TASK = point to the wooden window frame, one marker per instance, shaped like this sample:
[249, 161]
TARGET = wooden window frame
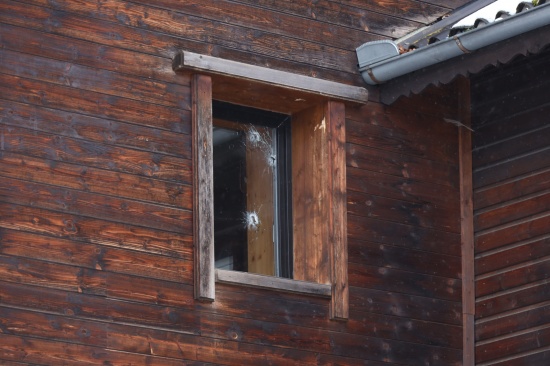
[289, 93]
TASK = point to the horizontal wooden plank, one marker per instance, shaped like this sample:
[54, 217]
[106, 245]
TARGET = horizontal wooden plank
[152, 43]
[512, 146]
[405, 306]
[512, 255]
[161, 21]
[402, 131]
[142, 341]
[63, 225]
[515, 298]
[405, 236]
[538, 357]
[411, 283]
[93, 180]
[529, 341]
[514, 321]
[397, 257]
[85, 153]
[518, 209]
[38, 351]
[506, 105]
[403, 189]
[360, 347]
[514, 232]
[76, 279]
[102, 56]
[100, 130]
[294, 310]
[424, 214]
[97, 206]
[93, 104]
[507, 190]
[79, 77]
[502, 129]
[414, 10]
[404, 166]
[510, 168]
[303, 18]
[514, 276]
[101, 308]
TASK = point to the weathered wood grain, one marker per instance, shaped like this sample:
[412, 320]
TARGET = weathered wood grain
[100, 308]
[413, 10]
[512, 255]
[506, 128]
[513, 232]
[402, 131]
[510, 189]
[533, 293]
[100, 130]
[515, 344]
[35, 350]
[298, 19]
[406, 236]
[203, 187]
[423, 214]
[76, 227]
[96, 206]
[100, 56]
[90, 103]
[513, 321]
[520, 275]
[406, 306]
[394, 280]
[88, 179]
[404, 189]
[388, 256]
[110, 157]
[163, 21]
[402, 166]
[89, 78]
[528, 206]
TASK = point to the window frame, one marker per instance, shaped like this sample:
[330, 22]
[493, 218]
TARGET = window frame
[292, 90]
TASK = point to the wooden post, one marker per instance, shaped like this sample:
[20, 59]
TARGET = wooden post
[203, 187]
[467, 224]
[336, 121]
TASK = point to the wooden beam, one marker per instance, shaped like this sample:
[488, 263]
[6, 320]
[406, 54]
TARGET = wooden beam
[273, 283]
[203, 187]
[185, 60]
[467, 223]
[338, 252]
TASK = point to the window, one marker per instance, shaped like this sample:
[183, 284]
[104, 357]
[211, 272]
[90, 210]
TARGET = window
[315, 195]
[252, 187]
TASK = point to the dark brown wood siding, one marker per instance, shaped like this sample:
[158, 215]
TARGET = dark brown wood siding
[511, 161]
[96, 245]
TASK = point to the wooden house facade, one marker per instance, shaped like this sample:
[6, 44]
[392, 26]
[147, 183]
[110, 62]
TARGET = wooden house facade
[435, 241]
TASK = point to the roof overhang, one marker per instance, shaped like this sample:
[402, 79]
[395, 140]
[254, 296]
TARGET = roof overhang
[468, 52]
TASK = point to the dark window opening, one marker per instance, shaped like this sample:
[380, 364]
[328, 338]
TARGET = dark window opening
[252, 190]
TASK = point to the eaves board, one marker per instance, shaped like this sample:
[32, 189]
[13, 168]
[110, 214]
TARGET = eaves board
[443, 73]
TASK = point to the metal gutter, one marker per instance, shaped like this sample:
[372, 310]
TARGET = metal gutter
[468, 42]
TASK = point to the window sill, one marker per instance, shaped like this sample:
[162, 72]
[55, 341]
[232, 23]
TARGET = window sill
[273, 283]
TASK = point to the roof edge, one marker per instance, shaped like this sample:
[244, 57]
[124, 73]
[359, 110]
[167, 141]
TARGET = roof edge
[464, 43]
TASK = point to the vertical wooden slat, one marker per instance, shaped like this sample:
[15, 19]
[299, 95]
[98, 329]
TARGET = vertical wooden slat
[310, 171]
[203, 187]
[336, 124]
[467, 225]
